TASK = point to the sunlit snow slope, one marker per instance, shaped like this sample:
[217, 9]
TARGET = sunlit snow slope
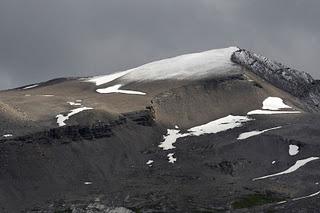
[186, 67]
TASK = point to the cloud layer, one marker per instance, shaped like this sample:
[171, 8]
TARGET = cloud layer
[44, 39]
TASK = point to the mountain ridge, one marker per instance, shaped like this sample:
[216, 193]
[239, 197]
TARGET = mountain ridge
[297, 83]
[132, 142]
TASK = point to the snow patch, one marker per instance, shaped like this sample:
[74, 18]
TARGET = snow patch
[61, 119]
[99, 80]
[267, 112]
[87, 183]
[74, 103]
[282, 202]
[246, 135]
[293, 168]
[274, 103]
[171, 138]
[293, 149]
[273, 162]
[116, 89]
[220, 125]
[308, 196]
[270, 107]
[149, 163]
[47, 95]
[171, 159]
[300, 198]
[30, 87]
[7, 135]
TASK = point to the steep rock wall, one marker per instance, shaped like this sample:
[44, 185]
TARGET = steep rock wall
[297, 83]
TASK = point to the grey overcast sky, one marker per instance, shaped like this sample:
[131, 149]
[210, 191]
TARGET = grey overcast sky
[45, 39]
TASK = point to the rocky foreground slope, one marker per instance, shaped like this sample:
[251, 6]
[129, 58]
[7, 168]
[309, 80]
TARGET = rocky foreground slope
[217, 131]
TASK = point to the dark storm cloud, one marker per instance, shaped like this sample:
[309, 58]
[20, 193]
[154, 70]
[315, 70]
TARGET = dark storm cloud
[43, 39]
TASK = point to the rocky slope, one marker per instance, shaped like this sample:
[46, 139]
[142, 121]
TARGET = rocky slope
[218, 131]
[297, 83]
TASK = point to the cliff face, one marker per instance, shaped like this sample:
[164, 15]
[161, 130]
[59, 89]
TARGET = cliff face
[297, 83]
[97, 130]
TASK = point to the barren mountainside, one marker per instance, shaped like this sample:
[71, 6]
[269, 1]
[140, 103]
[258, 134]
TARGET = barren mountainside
[217, 131]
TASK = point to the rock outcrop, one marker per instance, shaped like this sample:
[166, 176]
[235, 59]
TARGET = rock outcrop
[297, 83]
[79, 132]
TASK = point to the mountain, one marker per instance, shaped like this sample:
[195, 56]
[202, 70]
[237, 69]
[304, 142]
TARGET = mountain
[216, 131]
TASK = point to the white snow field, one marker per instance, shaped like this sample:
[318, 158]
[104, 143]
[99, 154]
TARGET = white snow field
[220, 125]
[116, 89]
[190, 66]
[293, 168]
[293, 150]
[246, 135]
[7, 135]
[61, 119]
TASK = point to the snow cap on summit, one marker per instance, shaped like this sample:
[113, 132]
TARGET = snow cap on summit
[185, 67]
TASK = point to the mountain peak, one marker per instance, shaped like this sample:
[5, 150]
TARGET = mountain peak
[220, 119]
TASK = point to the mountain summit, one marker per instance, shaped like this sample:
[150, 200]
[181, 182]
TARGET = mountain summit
[221, 130]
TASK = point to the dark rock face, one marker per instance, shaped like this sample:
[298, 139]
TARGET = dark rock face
[79, 132]
[144, 118]
[297, 83]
